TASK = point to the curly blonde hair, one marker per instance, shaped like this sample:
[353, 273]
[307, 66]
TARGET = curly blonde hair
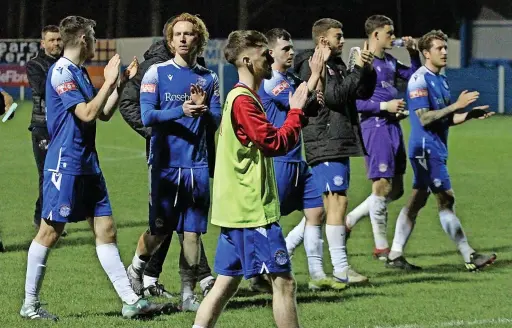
[199, 28]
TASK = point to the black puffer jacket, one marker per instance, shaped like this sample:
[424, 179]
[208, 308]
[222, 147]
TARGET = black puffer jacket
[37, 71]
[129, 105]
[335, 133]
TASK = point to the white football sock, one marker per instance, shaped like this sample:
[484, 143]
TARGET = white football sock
[149, 281]
[336, 240]
[108, 254]
[358, 213]
[313, 244]
[379, 218]
[36, 267]
[296, 236]
[187, 289]
[403, 230]
[451, 225]
[138, 265]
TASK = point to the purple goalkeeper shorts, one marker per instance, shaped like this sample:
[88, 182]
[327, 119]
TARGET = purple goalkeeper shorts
[386, 151]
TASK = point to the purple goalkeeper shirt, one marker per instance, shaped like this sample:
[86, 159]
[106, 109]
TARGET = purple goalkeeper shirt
[388, 70]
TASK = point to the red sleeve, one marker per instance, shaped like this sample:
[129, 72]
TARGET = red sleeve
[251, 126]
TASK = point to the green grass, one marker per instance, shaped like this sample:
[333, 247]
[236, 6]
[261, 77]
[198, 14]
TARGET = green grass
[78, 290]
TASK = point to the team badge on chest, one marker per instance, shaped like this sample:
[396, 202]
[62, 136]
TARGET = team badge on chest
[201, 81]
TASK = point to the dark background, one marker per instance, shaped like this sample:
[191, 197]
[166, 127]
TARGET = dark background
[138, 18]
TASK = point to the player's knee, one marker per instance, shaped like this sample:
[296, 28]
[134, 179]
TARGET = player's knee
[49, 234]
[284, 284]
[105, 230]
[381, 187]
[191, 237]
[314, 216]
[232, 288]
[446, 201]
[412, 211]
[337, 201]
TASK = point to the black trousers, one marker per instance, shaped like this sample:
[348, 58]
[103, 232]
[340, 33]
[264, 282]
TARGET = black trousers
[40, 141]
[154, 267]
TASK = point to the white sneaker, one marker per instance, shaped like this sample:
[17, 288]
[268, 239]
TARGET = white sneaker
[350, 277]
[207, 284]
[36, 312]
[190, 304]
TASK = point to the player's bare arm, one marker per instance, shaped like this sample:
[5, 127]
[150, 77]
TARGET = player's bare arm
[90, 111]
[427, 116]
[113, 99]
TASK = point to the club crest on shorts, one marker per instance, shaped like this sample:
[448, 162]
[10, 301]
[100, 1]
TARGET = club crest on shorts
[338, 180]
[383, 167]
[159, 222]
[281, 257]
[64, 211]
[437, 183]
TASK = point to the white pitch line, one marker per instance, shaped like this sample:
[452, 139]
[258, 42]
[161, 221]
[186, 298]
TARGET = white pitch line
[455, 323]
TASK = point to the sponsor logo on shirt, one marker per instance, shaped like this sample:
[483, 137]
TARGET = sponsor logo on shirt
[418, 93]
[181, 97]
[280, 87]
[148, 87]
[65, 87]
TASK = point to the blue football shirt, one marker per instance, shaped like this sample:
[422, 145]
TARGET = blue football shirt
[72, 148]
[428, 90]
[274, 95]
[178, 140]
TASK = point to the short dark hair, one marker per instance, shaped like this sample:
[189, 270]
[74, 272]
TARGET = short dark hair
[376, 21]
[49, 28]
[240, 40]
[71, 27]
[277, 33]
[321, 26]
[425, 42]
